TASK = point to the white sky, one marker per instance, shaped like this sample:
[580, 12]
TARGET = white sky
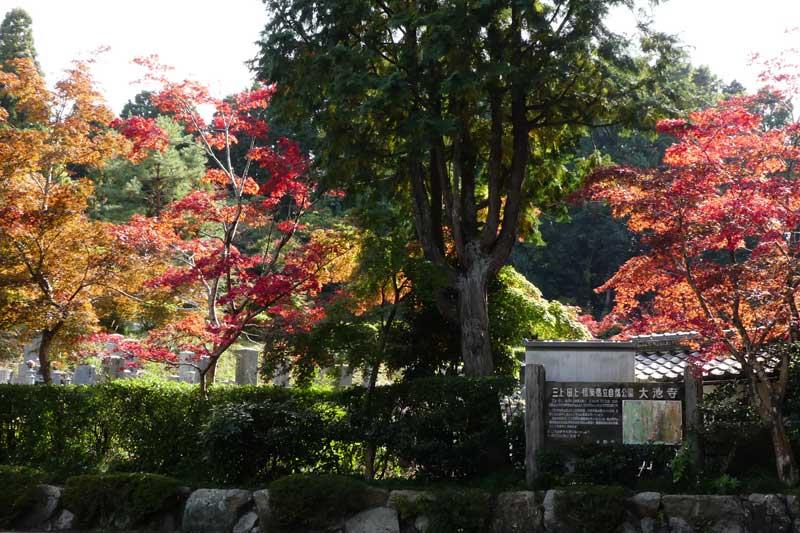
[209, 40]
[206, 40]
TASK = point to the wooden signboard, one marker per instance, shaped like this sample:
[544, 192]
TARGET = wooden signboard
[614, 413]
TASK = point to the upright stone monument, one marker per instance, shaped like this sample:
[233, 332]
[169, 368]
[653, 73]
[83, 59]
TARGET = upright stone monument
[84, 375]
[113, 367]
[30, 351]
[5, 375]
[281, 376]
[345, 376]
[26, 373]
[57, 377]
[247, 366]
[187, 368]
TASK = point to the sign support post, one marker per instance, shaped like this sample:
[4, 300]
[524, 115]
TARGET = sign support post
[534, 419]
[694, 396]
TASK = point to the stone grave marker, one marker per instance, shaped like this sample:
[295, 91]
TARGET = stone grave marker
[247, 366]
[281, 376]
[113, 367]
[84, 375]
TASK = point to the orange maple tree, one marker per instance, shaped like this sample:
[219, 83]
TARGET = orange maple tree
[55, 262]
[719, 227]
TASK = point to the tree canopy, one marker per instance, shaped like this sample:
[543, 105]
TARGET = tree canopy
[718, 224]
[470, 108]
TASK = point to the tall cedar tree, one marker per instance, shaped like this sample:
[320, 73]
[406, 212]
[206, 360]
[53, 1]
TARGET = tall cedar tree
[16, 37]
[718, 224]
[469, 106]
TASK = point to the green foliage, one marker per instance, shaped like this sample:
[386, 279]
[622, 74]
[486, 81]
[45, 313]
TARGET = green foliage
[124, 188]
[459, 511]
[518, 311]
[16, 36]
[121, 500]
[591, 508]
[450, 510]
[579, 255]
[55, 428]
[684, 468]
[443, 428]
[731, 426]
[302, 501]
[250, 440]
[365, 96]
[16, 483]
[723, 484]
[436, 428]
[141, 106]
[629, 466]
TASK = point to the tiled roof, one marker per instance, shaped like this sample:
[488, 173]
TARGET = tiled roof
[668, 365]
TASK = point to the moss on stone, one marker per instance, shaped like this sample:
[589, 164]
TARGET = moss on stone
[591, 508]
[17, 482]
[121, 500]
[306, 501]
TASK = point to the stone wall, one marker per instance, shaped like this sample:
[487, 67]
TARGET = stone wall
[242, 511]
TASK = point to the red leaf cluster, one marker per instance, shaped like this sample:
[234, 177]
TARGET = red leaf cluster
[718, 224]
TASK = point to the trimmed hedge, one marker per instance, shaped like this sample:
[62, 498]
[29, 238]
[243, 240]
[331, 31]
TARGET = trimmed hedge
[436, 428]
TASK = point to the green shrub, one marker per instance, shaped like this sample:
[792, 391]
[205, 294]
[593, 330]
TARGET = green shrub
[305, 501]
[266, 440]
[724, 484]
[620, 465]
[16, 483]
[451, 510]
[444, 428]
[119, 500]
[591, 508]
[552, 468]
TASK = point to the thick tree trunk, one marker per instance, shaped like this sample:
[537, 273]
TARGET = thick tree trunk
[784, 455]
[473, 311]
[44, 353]
[211, 370]
[771, 410]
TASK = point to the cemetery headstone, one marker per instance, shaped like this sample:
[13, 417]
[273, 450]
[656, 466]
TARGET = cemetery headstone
[281, 376]
[345, 376]
[30, 351]
[247, 366]
[187, 372]
[27, 373]
[113, 367]
[189, 367]
[84, 375]
[58, 377]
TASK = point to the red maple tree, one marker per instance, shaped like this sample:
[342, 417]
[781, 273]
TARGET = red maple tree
[719, 227]
[230, 288]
